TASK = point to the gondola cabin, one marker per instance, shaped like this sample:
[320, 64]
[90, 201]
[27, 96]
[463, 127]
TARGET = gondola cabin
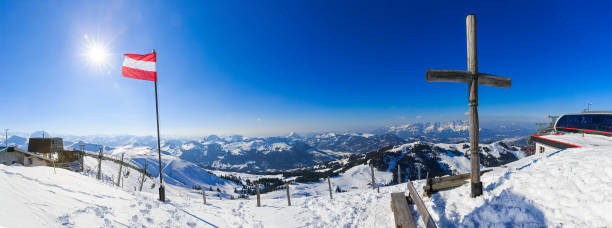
[577, 130]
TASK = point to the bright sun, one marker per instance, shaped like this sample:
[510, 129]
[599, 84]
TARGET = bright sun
[97, 54]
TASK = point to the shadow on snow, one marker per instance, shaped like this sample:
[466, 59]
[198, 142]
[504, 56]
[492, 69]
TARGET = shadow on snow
[504, 210]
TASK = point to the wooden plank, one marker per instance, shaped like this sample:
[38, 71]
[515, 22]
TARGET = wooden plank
[455, 177]
[448, 76]
[442, 183]
[443, 186]
[466, 77]
[401, 211]
[425, 216]
[495, 81]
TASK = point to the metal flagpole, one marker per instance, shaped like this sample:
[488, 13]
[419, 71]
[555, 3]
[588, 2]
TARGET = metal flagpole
[162, 193]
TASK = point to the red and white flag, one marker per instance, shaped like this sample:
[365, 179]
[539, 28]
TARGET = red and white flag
[140, 66]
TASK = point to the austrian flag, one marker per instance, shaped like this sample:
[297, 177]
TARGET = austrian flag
[140, 66]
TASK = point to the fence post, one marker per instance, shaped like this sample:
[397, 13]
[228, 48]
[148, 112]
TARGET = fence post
[288, 195]
[330, 190]
[257, 189]
[81, 154]
[204, 195]
[120, 167]
[144, 176]
[99, 176]
[373, 182]
[123, 178]
[399, 174]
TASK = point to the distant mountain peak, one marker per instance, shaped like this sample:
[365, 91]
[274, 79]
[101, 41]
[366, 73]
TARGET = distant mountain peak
[293, 135]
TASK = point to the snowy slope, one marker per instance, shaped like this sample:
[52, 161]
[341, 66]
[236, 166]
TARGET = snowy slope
[176, 171]
[568, 188]
[357, 178]
[42, 197]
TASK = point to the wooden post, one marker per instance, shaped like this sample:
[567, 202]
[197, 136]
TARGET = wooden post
[372, 171]
[399, 174]
[330, 189]
[476, 185]
[120, 167]
[81, 154]
[99, 176]
[144, 172]
[204, 195]
[258, 198]
[123, 179]
[288, 195]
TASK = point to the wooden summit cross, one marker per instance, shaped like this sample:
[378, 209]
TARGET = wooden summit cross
[472, 78]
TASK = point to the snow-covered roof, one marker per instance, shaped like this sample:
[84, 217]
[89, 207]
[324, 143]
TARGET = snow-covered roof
[576, 140]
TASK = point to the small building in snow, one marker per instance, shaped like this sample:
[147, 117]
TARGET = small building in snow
[42, 152]
[13, 155]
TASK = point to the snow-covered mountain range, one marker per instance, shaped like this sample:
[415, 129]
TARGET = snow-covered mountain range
[257, 154]
[458, 131]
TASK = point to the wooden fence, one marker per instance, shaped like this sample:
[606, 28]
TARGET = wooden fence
[117, 161]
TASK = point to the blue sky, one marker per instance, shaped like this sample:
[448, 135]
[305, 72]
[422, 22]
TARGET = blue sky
[271, 67]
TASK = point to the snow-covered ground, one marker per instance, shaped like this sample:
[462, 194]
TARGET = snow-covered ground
[583, 140]
[176, 172]
[570, 188]
[42, 197]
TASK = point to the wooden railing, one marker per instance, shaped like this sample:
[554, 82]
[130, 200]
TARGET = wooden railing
[126, 164]
[400, 205]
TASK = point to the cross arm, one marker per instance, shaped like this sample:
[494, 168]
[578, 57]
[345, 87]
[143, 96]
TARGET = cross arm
[495, 81]
[448, 76]
[465, 76]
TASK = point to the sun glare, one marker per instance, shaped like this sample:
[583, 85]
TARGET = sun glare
[97, 54]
